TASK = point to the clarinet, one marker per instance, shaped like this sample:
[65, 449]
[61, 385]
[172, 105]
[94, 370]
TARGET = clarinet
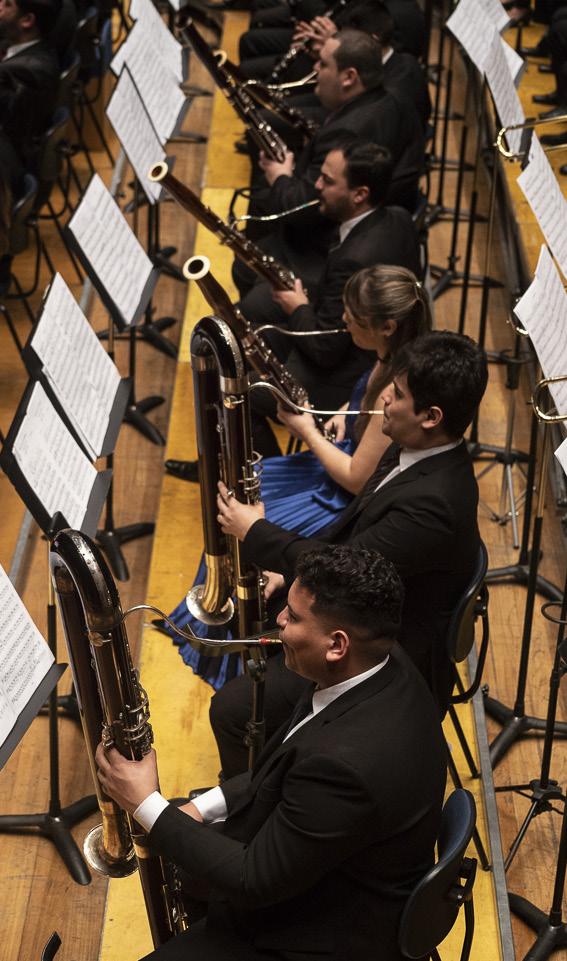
[114, 709]
[301, 45]
[257, 352]
[265, 137]
[278, 276]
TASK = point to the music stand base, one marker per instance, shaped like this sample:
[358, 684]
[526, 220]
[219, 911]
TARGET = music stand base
[518, 574]
[111, 543]
[135, 415]
[514, 727]
[161, 259]
[151, 333]
[550, 937]
[56, 827]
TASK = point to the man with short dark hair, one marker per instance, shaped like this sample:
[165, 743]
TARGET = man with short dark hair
[419, 509]
[325, 839]
[29, 73]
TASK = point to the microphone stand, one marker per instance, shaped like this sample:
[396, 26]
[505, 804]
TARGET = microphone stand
[515, 721]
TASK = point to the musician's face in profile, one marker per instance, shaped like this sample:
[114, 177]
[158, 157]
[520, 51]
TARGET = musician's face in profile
[328, 87]
[360, 330]
[400, 421]
[338, 201]
[305, 641]
[11, 21]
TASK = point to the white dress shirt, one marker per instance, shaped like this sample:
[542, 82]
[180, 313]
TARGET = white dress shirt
[346, 227]
[212, 804]
[410, 457]
[17, 48]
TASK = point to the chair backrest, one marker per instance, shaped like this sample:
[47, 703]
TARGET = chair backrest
[433, 905]
[68, 79]
[21, 212]
[86, 42]
[460, 633]
[49, 163]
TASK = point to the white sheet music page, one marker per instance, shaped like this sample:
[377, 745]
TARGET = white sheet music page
[157, 84]
[504, 93]
[543, 193]
[543, 312]
[52, 462]
[496, 14]
[165, 44]
[119, 260]
[474, 30]
[134, 129]
[25, 658]
[83, 376]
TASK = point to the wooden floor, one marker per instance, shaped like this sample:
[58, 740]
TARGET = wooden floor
[36, 892]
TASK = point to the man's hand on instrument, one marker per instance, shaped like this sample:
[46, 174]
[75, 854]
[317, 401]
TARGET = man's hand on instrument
[236, 518]
[290, 300]
[272, 169]
[322, 29]
[302, 31]
[300, 425]
[273, 582]
[126, 782]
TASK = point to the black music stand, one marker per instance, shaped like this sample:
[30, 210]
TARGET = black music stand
[55, 824]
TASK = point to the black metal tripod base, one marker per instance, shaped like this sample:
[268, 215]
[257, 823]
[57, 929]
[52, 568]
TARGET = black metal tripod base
[550, 937]
[161, 259]
[438, 212]
[152, 333]
[111, 542]
[67, 706]
[449, 277]
[480, 451]
[187, 136]
[136, 416]
[514, 727]
[57, 828]
[519, 574]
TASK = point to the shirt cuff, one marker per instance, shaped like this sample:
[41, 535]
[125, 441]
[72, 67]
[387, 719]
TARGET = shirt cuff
[147, 813]
[211, 805]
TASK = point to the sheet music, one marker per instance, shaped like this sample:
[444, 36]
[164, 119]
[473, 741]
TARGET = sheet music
[25, 658]
[543, 193]
[157, 84]
[118, 258]
[474, 30]
[52, 462]
[83, 376]
[516, 65]
[561, 454]
[504, 94]
[543, 312]
[134, 129]
[165, 44]
[496, 14]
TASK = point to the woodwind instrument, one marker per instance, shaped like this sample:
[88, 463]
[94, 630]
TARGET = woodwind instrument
[301, 45]
[114, 709]
[280, 277]
[240, 100]
[272, 98]
[224, 444]
[258, 354]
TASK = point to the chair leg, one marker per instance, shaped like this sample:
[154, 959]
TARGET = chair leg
[21, 295]
[463, 742]
[4, 310]
[482, 857]
[99, 131]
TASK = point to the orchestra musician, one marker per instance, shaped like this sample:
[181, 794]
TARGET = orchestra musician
[323, 841]
[419, 509]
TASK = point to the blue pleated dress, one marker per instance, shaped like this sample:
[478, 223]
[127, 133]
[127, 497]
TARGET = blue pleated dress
[298, 495]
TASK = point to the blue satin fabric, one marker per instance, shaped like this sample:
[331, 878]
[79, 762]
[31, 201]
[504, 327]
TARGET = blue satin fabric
[298, 495]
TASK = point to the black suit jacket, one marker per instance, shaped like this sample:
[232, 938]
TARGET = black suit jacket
[386, 236]
[327, 838]
[405, 78]
[28, 89]
[425, 522]
[376, 116]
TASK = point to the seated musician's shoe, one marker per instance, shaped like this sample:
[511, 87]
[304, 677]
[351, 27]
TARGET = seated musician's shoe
[187, 470]
[545, 68]
[546, 99]
[563, 170]
[559, 111]
[553, 139]
[532, 52]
